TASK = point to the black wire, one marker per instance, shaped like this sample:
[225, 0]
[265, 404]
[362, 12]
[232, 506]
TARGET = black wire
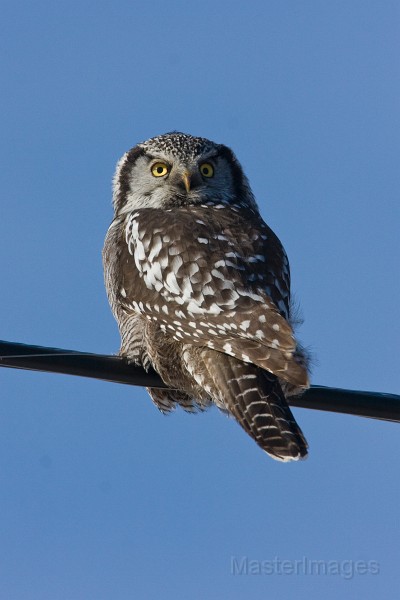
[71, 362]
[116, 369]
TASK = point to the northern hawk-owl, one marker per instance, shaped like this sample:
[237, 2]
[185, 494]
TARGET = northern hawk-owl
[200, 288]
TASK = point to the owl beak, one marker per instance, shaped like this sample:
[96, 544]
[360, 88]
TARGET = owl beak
[186, 180]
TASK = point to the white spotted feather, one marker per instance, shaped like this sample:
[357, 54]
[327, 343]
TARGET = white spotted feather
[200, 288]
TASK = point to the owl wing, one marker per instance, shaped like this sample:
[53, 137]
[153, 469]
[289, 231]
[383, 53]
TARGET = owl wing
[212, 277]
[130, 323]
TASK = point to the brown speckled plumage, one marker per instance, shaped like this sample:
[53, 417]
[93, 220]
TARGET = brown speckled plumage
[200, 288]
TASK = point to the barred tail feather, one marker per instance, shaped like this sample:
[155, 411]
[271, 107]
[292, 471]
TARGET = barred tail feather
[254, 397]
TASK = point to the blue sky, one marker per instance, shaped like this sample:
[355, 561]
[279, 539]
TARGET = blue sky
[101, 497]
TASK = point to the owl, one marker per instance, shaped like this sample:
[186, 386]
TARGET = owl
[200, 288]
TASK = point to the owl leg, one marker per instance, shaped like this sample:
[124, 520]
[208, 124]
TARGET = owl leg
[165, 356]
[254, 397]
[167, 400]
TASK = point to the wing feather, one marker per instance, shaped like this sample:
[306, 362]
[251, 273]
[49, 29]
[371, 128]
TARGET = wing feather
[215, 278]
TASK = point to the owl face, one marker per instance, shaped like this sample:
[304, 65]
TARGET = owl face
[175, 170]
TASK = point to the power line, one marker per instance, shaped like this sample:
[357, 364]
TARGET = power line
[116, 369]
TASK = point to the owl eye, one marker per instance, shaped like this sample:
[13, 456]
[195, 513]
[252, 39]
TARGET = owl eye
[207, 170]
[159, 169]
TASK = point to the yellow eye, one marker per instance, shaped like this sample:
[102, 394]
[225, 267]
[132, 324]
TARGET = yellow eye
[207, 170]
[159, 169]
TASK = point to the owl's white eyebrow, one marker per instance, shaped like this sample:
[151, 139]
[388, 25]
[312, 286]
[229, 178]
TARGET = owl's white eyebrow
[151, 156]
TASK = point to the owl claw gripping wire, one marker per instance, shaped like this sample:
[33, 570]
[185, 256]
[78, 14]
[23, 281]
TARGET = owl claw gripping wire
[200, 288]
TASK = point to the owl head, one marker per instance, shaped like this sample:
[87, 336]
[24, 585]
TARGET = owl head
[177, 169]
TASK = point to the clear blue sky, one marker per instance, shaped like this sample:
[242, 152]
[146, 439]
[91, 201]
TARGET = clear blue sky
[101, 497]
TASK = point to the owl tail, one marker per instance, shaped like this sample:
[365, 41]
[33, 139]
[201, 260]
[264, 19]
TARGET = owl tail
[255, 398]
